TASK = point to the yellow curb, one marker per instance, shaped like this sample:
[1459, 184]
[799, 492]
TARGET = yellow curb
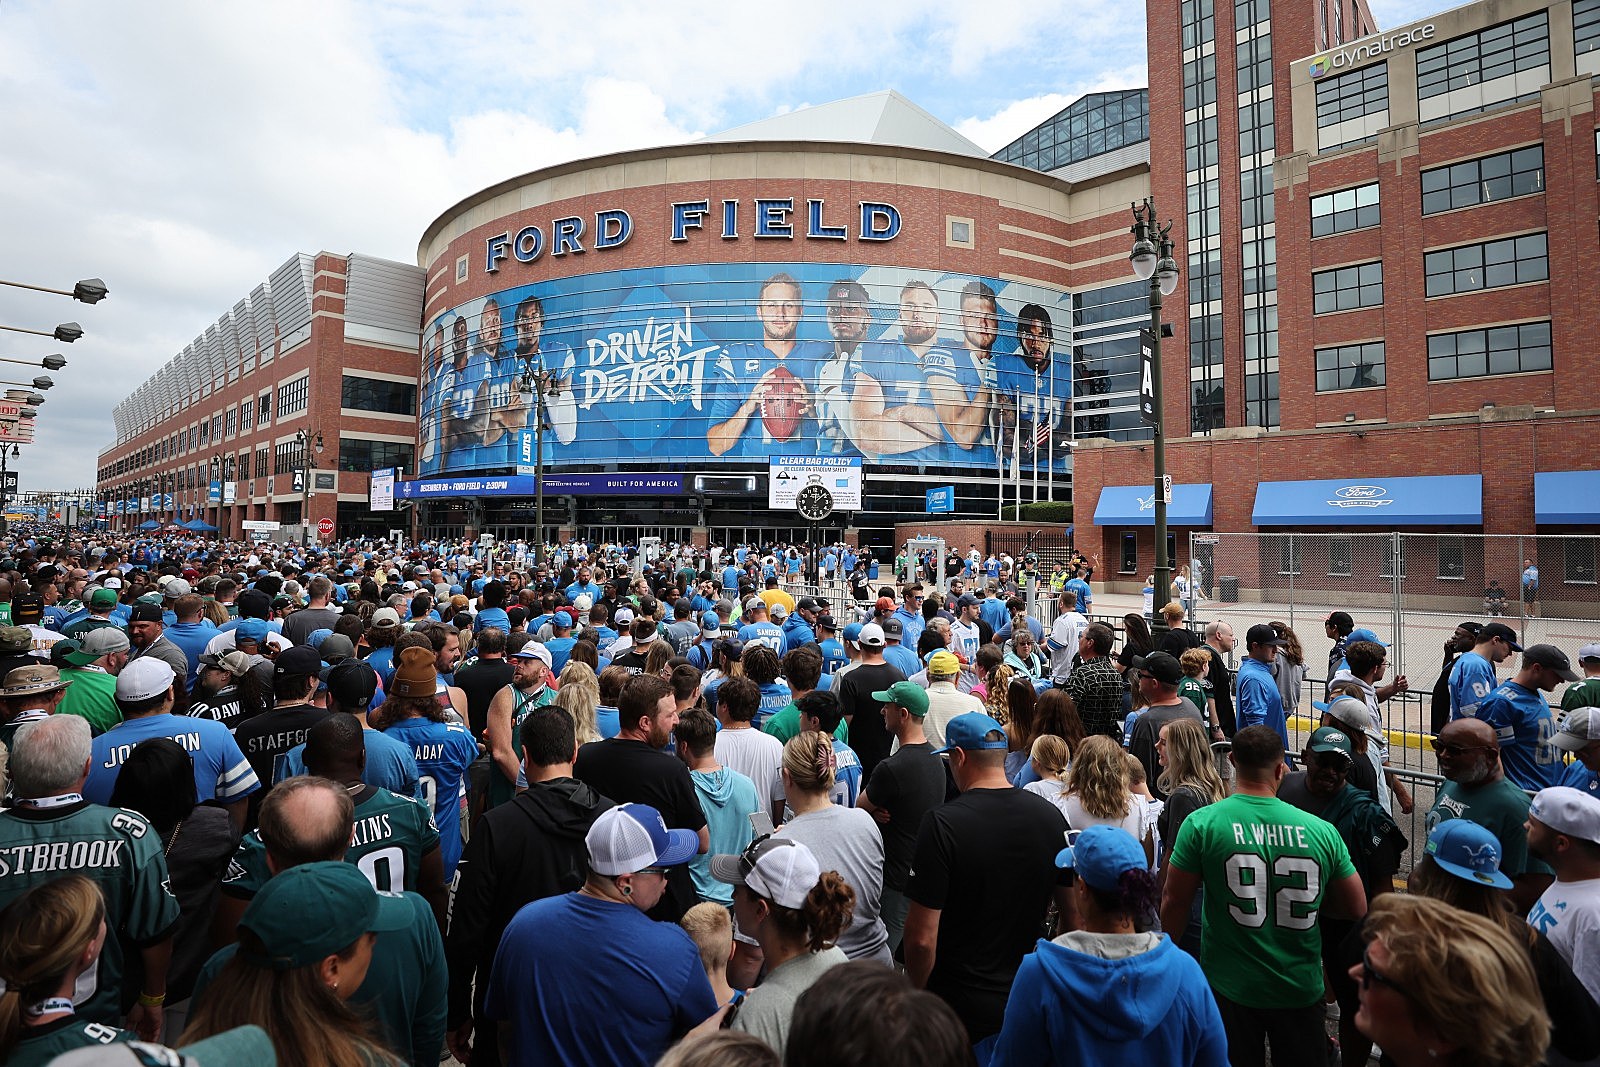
[1395, 739]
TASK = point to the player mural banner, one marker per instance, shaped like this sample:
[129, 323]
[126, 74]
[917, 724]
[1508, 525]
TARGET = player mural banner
[747, 361]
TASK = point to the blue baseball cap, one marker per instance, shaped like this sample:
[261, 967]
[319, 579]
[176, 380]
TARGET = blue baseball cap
[1468, 851]
[250, 630]
[1101, 854]
[631, 837]
[1363, 634]
[970, 732]
[852, 633]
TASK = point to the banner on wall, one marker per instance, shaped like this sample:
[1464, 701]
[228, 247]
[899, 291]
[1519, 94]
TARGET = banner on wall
[380, 495]
[748, 361]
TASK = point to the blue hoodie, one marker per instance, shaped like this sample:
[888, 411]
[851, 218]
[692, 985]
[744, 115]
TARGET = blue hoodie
[728, 799]
[1153, 1008]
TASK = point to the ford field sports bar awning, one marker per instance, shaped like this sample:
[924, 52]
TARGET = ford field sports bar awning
[1567, 498]
[1449, 500]
[1135, 505]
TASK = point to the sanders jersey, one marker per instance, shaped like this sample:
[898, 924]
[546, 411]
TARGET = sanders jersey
[391, 834]
[443, 751]
[116, 849]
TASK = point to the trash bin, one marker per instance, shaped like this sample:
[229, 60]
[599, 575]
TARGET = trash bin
[1228, 588]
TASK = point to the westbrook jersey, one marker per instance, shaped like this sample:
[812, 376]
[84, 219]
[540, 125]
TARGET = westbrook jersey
[116, 849]
[443, 752]
[391, 834]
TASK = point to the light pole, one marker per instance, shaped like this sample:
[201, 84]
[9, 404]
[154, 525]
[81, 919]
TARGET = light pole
[1152, 258]
[88, 291]
[67, 332]
[5, 496]
[532, 388]
[306, 441]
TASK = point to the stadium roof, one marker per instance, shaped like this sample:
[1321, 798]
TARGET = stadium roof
[881, 118]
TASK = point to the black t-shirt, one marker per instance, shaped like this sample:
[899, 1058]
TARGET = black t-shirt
[481, 682]
[987, 862]
[908, 784]
[269, 735]
[222, 706]
[1178, 641]
[631, 772]
[1220, 682]
[868, 736]
[632, 660]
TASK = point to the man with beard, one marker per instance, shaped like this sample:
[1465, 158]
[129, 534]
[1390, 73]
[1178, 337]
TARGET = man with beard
[463, 422]
[747, 372]
[217, 689]
[974, 420]
[1476, 788]
[530, 352]
[429, 409]
[1037, 388]
[891, 412]
[849, 318]
[1462, 641]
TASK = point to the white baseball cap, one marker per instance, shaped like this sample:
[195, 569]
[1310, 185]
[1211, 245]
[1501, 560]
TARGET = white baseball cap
[144, 678]
[534, 650]
[777, 868]
[631, 837]
[1568, 811]
[623, 616]
[871, 636]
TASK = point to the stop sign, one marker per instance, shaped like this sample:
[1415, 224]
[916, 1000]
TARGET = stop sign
[324, 527]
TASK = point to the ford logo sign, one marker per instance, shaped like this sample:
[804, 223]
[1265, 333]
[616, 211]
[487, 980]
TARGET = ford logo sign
[1360, 492]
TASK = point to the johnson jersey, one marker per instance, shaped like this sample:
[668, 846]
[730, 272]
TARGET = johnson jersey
[738, 369]
[221, 771]
[116, 849]
[390, 836]
[443, 752]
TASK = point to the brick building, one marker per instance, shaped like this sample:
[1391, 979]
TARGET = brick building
[326, 348]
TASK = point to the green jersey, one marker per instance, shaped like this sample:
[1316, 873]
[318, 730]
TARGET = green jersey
[1194, 691]
[391, 835]
[523, 704]
[1266, 866]
[1501, 807]
[90, 695]
[1581, 694]
[117, 850]
[786, 724]
[41, 1044]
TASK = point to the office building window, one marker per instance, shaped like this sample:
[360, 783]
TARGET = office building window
[1200, 82]
[247, 412]
[1452, 558]
[1496, 350]
[1345, 210]
[292, 397]
[1255, 62]
[368, 394]
[1350, 96]
[262, 463]
[1585, 25]
[1200, 144]
[1340, 555]
[1350, 367]
[358, 455]
[1578, 561]
[286, 457]
[1347, 288]
[1255, 128]
[1482, 181]
[1288, 554]
[263, 409]
[233, 421]
[1509, 261]
[1199, 22]
[1484, 56]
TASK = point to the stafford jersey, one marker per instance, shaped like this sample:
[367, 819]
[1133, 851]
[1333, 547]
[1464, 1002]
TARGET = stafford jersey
[117, 850]
[391, 834]
[443, 752]
[738, 370]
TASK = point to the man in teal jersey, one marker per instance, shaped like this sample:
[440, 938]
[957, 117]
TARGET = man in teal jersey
[1267, 869]
[395, 842]
[53, 831]
[312, 820]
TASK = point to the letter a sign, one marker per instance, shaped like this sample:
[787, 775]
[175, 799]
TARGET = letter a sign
[1147, 389]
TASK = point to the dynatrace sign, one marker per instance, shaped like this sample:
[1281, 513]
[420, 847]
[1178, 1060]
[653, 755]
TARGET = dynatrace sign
[1369, 48]
[776, 218]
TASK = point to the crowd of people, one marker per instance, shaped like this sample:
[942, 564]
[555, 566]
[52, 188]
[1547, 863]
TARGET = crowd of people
[357, 805]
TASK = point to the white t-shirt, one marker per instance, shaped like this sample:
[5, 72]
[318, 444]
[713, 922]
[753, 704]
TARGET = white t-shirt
[1064, 634]
[1077, 819]
[756, 755]
[1568, 913]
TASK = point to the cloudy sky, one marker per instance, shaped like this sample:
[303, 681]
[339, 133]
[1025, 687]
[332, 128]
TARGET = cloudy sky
[181, 151]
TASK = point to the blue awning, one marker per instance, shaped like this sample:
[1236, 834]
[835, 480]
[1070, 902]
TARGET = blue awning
[1134, 505]
[1448, 500]
[1567, 498]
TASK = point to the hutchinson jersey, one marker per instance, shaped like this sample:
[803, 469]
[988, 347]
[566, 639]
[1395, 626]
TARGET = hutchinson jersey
[391, 834]
[443, 751]
[117, 850]
[1266, 867]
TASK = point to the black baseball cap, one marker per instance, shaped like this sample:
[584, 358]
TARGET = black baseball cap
[1262, 634]
[1161, 666]
[352, 683]
[1503, 632]
[298, 659]
[847, 291]
[1552, 657]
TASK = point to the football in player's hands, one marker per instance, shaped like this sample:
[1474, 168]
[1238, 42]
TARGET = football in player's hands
[783, 402]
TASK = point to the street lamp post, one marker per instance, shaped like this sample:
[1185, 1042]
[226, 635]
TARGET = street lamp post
[1152, 258]
[306, 441]
[88, 291]
[532, 388]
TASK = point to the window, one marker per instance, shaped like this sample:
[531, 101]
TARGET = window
[1199, 22]
[247, 412]
[1347, 288]
[1496, 350]
[1256, 205]
[1578, 561]
[233, 421]
[1260, 265]
[1345, 210]
[1350, 96]
[286, 457]
[1130, 553]
[1483, 56]
[1483, 181]
[1510, 261]
[1452, 558]
[1390, 547]
[1200, 144]
[292, 397]
[1288, 554]
[1339, 557]
[264, 409]
[1350, 367]
[367, 394]
[358, 455]
[1585, 26]
[262, 463]
[1255, 128]
[1200, 82]
[1255, 63]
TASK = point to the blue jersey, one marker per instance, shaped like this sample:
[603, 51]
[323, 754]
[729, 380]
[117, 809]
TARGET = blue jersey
[221, 771]
[1522, 721]
[1471, 681]
[904, 380]
[775, 696]
[762, 633]
[443, 752]
[390, 764]
[1041, 399]
[738, 369]
[833, 655]
[1084, 594]
[1580, 777]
